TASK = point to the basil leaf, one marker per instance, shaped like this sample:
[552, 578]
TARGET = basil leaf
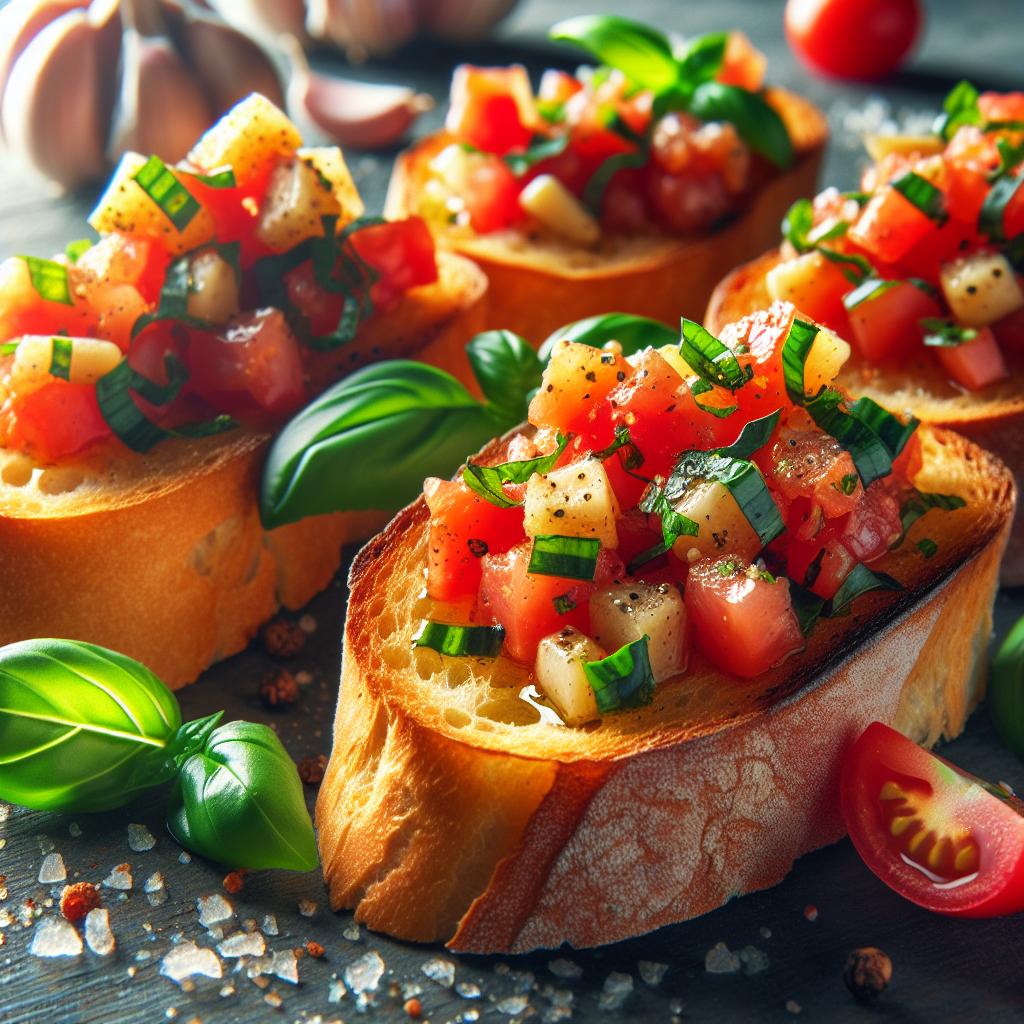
[940, 333]
[507, 370]
[643, 54]
[860, 581]
[82, 728]
[673, 524]
[60, 357]
[797, 225]
[623, 442]
[756, 122]
[703, 57]
[541, 147]
[1010, 156]
[921, 193]
[993, 209]
[920, 503]
[124, 417]
[622, 680]
[807, 606]
[753, 437]
[487, 480]
[959, 107]
[855, 268]
[633, 333]
[890, 430]
[927, 547]
[593, 191]
[239, 801]
[368, 442]
[712, 361]
[574, 558]
[461, 641]
[49, 280]
[1006, 689]
[223, 178]
[175, 201]
[869, 288]
[795, 350]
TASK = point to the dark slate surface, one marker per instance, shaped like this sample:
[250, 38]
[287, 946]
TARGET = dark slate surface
[945, 970]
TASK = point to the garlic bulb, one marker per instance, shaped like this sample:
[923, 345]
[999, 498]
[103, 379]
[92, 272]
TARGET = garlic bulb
[81, 83]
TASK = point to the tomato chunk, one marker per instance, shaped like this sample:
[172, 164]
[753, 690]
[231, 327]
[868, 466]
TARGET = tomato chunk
[491, 108]
[402, 254]
[890, 225]
[56, 420]
[886, 325]
[936, 835]
[492, 196]
[976, 363]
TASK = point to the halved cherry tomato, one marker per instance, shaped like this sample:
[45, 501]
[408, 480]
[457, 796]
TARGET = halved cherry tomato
[936, 835]
[491, 108]
[56, 420]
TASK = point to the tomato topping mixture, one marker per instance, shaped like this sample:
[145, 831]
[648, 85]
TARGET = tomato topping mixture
[591, 144]
[677, 499]
[926, 261]
[938, 836]
[203, 300]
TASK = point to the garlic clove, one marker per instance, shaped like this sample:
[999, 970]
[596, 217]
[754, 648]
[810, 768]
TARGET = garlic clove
[51, 105]
[358, 114]
[460, 22]
[264, 19]
[364, 28]
[20, 22]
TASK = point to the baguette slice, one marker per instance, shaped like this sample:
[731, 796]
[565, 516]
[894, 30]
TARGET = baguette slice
[992, 418]
[539, 284]
[162, 556]
[451, 812]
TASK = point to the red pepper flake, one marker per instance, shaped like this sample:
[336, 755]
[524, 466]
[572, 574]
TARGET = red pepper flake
[77, 900]
[315, 950]
[234, 881]
[283, 638]
[414, 1008]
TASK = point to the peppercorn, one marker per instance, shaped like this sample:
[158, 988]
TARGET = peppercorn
[311, 769]
[279, 689]
[413, 1007]
[282, 638]
[867, 973]
[78, 899]
[314, 949]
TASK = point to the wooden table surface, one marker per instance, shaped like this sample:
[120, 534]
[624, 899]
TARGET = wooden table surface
[945, 970]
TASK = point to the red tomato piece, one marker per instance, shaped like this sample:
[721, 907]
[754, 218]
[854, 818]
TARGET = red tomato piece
[557, 86]
[743, 64]
[811, 464]
[492, 108]
[743, 623]
[320, 308]
[1009, 331]
[886, 325]
[401, 252]
[820, 565]
[463, 529]
[235, 210]
[874, 525]
[863, 39]
[890, 225]
[1001, 106]
[976, 363]
[934, 834]
[492, 196]
[56, 420]
[524, 602]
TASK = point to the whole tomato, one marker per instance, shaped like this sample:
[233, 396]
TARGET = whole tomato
[862, 39]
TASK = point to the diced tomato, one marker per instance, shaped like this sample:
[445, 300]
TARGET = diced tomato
[118, 259]
[24, 311]
[820, 565]
[1009, 331]
[320, 308]
[235, 210]
[966, 190]
[56, 420]
[890, 225]
[251, 368]
[401, 252]
[810, 464]
[874, 525]
[925, 259]
[624, 204]
[492, 108]
[743, 64]
[463, 528]
[816, 286]
[1001, 106]
[524, 602]
[492, 196]
[887, 325]
[687, 203]
[936, 835]
[976, 363]
[117, 307]
[744, 624]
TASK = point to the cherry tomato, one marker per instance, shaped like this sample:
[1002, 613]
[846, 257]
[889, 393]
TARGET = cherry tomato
[936, 835]
[863, 39]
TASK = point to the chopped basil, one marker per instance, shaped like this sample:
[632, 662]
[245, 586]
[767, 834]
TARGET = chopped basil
[593, 191]
[712, 361]
[573, 558]
[855, 268]
[460, 641]
[9, 347]
[541, 147]
[848, 484]
[921, 502]
[940, 333]
[959, 107]
[807, 606]
[814, 569]
[75, 250]
[795, 350]
[60, 357]
[673, 524]
[993, 209]
[753, 437]
[797, 225]
[703, 57]
[623, 679]
[487, 480]
[49, 279]
[927, 547]
[861, 580]
[700, 387]
[755, 120]
[869, 288]
[922, 194]
[633, 459]
[178, 205]
[223, 178]
[564, 603]
[1010, 156]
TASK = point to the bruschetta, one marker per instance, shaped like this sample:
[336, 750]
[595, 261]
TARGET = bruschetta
[642, 181]
[142, 377]
[921, 272]
[603, 679]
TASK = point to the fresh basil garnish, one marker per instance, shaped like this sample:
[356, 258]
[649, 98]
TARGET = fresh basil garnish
[507, 370]
[633, 333]
[869, 288]
[927, 547]
[461, 641]
[238, 800]
[624, 679]
[487, 480]
[959, 107]
[223, 178]
[855, 268]
[923, 194]
[1010, 156]
[713, 362]
[541, 147]
[60, 357]
[175, 201]
[633, 458]
[809, 608]
[703, 57]
[673, 526]
[49, 279]
[593, 191]
[940, 333]
[755, 120]
[574, 558]
[753, 437]
[991, 219]
[77, 249]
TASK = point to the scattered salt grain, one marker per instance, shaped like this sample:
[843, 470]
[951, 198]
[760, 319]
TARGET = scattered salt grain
[793, 1006]
[336, 991]
[652, 973]
[120, 877]
[55, 937]
[307, 908]
[184, 857]
[74, 830]
[364, 974]
[721, 960]
[226, 991]
[270, 925]
[467, 989]
[616, 990]
[140, 839]
[285, 965]
[352, 933]
[213, 909]
[560, 1008]
[307, 624]
[5, 812]
[189, 960]
[512, 1005]
[468, 1016]
[562, 968]
[52, 869]
[754, 960]
[439, 970]
[766, 933]
[243, 944]
[155, 889]
[98, 936]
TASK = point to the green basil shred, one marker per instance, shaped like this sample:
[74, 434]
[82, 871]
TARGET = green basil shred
[922, 194]
[157, 180]
[919, 503]
[941, 333]
[49, 279]
[713, 362]
[624, 679]
[809, 608]
[461, 641]
[573, 558]
[60, 357]
[487, 480]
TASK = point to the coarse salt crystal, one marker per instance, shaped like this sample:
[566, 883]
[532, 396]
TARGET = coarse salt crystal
[439, 970]
[512, 1005]
[721, 960]
[98, 936]
[336, 991]
[270, 925]
[55, 937]
[651, 973]
[213, 909]
[467, 989]
[352, 933]
[285, 965]
[52, 869]
[140, 839]
[307, 908]
[74, 830]
[754, 960]
[184, 857]
[189, 960]
[364, 974]
[155, 889]
[243, 944]
[616, 990]
[562, 968]
[273, 999]
[120, 877]
[766, 933]
[46, 844]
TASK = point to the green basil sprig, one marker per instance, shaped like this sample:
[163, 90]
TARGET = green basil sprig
[83, 728]
[1006, 690]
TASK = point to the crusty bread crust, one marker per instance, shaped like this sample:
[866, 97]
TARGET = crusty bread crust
[162, 556]
[993, 418]
[538, 283]
[450, 811]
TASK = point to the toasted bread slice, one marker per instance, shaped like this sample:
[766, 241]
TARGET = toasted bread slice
[451, 811]
[162, 556]
[993, 418]
[539, 283]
